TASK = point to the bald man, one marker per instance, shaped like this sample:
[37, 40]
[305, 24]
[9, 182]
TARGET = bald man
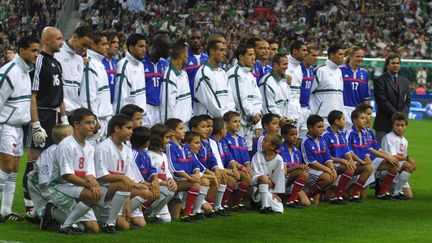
[46, 102]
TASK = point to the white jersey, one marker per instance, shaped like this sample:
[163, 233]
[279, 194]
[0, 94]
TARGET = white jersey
[394, 144]
[15, 92]
[160, 162]
[213, 94]
[215, 149]
[175, 95]
[246, 94]
[94, 91]
[130, 86]
[327, 90]
[276, 94]
[274, 169]
[296, 73]
[43, 167]
[111, 159]
[72, 70]
[71, 157]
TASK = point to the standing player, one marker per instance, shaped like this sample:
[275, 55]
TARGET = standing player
[196, 57]
[262, 51]
[130, 86]
[155, 64]
[175, 90]
[275, 90]
[356, 89]
[71, 59]
[212, 91]
[327, 87]
[274, 48]
[46, 102]
[15, 99]
[110, 62]
[308, 69]
[94, 91]
[246, 94]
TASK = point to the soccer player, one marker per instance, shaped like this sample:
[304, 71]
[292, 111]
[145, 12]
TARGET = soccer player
[196, 57]
[327, 87]
[297, 172]
[316, 155]
[15, 103]
[73, 184]
[274, 48]
[130, 86]
[94, 90]
[71, 60]
[110, 61]
[213, 94]
[47, 99]
[356, 78]
[134, 112]
[396, 144]
[262, 52]
[175, 97]
[308, 69]
[246, 94]
[155, 63]
[269, 174]
[298, 52]
[275, 90]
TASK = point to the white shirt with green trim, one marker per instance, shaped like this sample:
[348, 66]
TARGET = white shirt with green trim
[276, 93]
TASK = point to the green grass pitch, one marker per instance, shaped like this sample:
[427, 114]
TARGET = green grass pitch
[369, 221]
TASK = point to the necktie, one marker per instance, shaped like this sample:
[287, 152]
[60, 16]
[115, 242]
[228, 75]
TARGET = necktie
[396, 81]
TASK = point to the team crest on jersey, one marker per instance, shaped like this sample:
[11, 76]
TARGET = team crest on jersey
[401, 147]
[346, 75]
[332, 141]
[189, 153]
[146, 70]
[191, 63]
[45, 170]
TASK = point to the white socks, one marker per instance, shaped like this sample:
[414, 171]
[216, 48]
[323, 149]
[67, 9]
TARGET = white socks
[263, 189]
[8, 194]
[3, 178]
[135, 202]
[200, 199]
[400, 179]
[165, 197]
[76, 213]
[117, 203]
[219, 196]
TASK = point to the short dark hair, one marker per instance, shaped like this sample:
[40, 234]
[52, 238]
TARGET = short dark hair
[253, 41]
[399, 116]
[173, 123]
[296, 45]
[206, 117]
[334, 115]
[84, 31]
[333, 49]
[189, 136]
[275, 139]
[97, 37]
[130, 109]
[133, 39]
[390, 57]
[356, 114]
[195, 121]
[267, 118]
[277, 58]
[363, 107]
[158, 131]
[272, 41]
[313, 120]
[140, 136]
[26, 41]
[230, 115]
[218, 125]
[79, 114]
[177, 50]
[241, 50]
[286, 128]
[212, 45]
[118, 120]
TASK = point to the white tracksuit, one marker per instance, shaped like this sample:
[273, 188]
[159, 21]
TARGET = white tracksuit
[276, 93]
[295, 71]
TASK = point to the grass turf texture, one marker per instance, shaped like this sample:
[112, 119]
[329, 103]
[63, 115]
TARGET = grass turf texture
[371, 220]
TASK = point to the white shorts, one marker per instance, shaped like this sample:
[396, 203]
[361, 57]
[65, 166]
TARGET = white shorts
[302, 124]
[11, 140]
[347, 110]
[376, 163]
[152, 116]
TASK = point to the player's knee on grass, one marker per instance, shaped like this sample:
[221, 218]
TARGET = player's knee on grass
[138, 222]
[204, 182]
[88, 197]
[207, 208]
[91, 226]
[122, 224]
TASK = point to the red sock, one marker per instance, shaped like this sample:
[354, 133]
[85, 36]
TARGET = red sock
[358, 187]
[190, 200]
[314, 190]
[241, 193]
[227, 195]
[387, 183]
[343, 181]
[299, 183]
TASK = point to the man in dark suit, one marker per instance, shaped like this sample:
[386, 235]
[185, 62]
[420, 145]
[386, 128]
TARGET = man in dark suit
[392, 93]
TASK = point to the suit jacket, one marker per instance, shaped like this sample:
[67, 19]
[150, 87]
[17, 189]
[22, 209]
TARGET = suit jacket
[390, 99]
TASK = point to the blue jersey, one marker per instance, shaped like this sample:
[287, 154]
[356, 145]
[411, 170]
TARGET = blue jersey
[180, 158]
[259, 70]
[315, 150]
[305, 89]
[224, 152]
[154, 74]
[206, 156]
[111, 69]
[192, 66]
[373, 142]
[356, 89]
[144, 164]
[337, 143]
[238, 149]
[293, 158]
[358, 143]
